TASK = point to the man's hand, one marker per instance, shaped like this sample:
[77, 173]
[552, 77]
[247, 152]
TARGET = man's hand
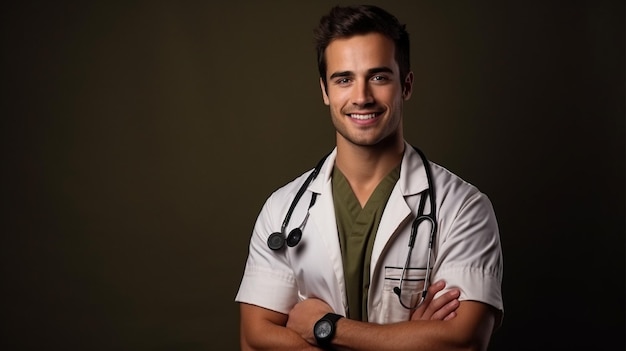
[442, 308]
[305, 313]
[303, 316]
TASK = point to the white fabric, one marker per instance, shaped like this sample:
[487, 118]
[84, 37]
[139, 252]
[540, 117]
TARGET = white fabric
[467, 250]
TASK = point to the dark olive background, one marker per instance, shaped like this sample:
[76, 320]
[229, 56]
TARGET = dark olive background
[140, 140]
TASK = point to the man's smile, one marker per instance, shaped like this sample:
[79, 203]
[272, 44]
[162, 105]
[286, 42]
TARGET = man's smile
[364, 116]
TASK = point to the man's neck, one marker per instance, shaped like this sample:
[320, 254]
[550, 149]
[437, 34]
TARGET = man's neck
[364, 167]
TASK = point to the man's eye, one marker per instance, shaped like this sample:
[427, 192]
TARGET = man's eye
[342, 81]
[379, 78]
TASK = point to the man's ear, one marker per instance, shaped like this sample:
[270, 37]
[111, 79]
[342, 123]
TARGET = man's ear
[407, 86]
[324, 94]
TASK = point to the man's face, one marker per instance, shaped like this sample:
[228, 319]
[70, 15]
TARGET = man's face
[365, 93]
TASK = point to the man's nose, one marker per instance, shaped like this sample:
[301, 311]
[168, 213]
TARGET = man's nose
[362, 94]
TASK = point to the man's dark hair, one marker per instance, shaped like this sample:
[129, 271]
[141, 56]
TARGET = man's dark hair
[343, 22]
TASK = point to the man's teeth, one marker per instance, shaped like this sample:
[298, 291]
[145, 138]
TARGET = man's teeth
[362, 117]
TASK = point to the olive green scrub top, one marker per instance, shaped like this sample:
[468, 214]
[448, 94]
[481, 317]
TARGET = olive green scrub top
[357, 229]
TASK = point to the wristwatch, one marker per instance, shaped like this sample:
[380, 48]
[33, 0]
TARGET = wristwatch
[324, 329]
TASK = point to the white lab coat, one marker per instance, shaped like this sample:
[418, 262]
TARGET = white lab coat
[467, 251]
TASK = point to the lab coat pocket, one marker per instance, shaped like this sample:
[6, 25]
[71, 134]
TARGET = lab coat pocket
[411, 289]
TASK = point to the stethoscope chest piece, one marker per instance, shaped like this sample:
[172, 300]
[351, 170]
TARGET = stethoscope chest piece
[294, 237]
[276, 241]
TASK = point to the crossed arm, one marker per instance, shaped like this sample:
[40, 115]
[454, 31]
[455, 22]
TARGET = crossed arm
[443, 323]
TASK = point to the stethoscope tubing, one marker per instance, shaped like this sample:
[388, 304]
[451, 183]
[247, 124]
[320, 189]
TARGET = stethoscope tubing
[277, 240]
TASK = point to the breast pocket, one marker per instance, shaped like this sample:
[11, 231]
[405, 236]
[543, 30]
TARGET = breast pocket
[410, 292]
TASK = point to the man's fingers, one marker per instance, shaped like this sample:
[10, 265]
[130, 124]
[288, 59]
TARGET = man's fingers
[443, 300]
[450, 316]
[425, 310]
[441, 308]
[448, 310]
[432, 290]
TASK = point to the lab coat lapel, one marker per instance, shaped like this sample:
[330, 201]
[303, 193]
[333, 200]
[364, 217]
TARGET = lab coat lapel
[412, 181]
[395, 213]
[323, 217]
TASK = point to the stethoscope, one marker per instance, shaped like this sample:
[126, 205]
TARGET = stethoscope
[277, 240]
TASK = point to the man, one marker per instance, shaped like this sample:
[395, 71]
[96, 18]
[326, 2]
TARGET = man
[346, 278]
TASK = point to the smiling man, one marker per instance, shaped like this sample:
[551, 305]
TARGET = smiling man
[376, 248]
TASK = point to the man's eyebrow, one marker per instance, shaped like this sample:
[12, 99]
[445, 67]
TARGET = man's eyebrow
[383, 69]
[341, 74]
[370, 71]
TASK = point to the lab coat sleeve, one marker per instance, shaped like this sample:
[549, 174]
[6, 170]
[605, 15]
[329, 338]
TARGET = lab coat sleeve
[469, 252]
[268, 281]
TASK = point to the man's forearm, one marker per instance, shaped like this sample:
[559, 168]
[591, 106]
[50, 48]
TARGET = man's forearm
[411, 335]
[279, 342]
[262, 329]
[470, 330]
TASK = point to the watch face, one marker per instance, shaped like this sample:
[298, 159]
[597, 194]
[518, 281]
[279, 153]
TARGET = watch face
[323, 329]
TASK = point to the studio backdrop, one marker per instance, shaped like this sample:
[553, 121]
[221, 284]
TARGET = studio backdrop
[140, 140]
